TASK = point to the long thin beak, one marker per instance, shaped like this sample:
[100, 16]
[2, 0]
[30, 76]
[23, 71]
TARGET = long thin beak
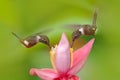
[16, 35]
[20, 39]
[94, 18]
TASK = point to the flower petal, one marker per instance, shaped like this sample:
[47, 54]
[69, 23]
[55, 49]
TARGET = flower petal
[63, 55]
[46, 74]
[80, 57]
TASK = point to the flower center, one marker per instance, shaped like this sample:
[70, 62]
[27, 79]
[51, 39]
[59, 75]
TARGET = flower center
[67, 77]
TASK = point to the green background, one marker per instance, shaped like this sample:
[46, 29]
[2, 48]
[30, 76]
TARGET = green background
[26, 17]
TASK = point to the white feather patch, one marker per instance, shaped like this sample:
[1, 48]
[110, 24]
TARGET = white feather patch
[38, 38]
[26, 42]
[81, 30]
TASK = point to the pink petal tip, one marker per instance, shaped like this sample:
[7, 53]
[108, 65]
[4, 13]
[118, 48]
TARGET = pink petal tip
[46, 74]
[80, 57]
[63, 55]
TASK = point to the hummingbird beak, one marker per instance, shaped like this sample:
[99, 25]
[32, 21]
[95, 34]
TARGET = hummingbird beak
[20, 39]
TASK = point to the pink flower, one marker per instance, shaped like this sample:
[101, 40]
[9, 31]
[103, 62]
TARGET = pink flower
[65, 63]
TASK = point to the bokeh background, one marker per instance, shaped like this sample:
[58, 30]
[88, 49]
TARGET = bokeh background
[26, 17]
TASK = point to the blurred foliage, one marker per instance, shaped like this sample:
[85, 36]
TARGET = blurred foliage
[26, 17]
